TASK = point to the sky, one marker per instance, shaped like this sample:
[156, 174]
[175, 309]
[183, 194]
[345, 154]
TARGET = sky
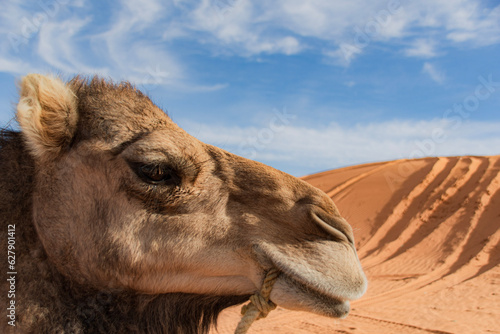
[303, 86]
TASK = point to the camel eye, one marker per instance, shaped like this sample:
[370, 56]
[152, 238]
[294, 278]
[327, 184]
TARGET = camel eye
[157, 174]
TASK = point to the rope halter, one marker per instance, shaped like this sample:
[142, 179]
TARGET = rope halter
[260, 305]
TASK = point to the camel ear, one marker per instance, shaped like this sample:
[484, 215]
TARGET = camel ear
[47, 114]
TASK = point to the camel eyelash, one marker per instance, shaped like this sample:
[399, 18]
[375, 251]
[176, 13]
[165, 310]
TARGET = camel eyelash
[157, 174]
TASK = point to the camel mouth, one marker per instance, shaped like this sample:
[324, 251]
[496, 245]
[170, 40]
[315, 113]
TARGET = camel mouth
[309, 283]
[308, 298]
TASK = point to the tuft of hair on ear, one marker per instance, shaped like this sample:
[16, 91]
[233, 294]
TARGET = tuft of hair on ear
[47, 113]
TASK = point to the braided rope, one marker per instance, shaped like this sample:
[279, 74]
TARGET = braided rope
[260, 305]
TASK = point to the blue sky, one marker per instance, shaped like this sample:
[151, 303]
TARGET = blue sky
[303, 86]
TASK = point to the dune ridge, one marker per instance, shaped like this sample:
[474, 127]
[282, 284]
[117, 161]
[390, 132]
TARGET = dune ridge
[428, 235]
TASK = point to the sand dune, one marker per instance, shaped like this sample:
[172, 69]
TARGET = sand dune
[428, 235]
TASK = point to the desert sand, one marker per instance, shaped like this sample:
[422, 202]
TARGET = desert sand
[428, 236]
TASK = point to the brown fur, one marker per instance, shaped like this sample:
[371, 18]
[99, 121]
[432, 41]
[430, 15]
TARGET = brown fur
[52, 303]
[48, 113]
[100, 249]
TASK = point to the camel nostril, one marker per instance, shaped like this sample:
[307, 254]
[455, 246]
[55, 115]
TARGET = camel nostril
[333, 226]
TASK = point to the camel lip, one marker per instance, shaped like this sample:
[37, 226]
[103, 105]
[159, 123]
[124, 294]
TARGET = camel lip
[324, 303]
[308, 295]
[304, 285]
[306, 288]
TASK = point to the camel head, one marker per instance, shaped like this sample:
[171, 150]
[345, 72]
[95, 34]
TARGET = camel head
[124, 199]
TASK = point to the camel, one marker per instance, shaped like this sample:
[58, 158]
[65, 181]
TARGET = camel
[118, 221]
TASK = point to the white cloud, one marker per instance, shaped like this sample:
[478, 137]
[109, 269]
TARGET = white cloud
[435, 74]
[142, 13]
[473, 23]
[144, 61]
[237, 26]
[63, 43]
[57, 46]
[306, 149]
[248, 27]
[12, 66]
[350, 83]
[423, 48]
[140, 34]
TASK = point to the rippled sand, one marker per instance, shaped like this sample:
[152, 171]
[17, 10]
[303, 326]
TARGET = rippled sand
[428, 235]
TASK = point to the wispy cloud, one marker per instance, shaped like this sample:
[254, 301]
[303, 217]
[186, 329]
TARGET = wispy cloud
[139, 36]
[474, 24]
[253, 27]
[313, 149]
[10, 65]
[132, 45]
[452, 23]
[423, 48]
[58, 47]
[436, 75]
